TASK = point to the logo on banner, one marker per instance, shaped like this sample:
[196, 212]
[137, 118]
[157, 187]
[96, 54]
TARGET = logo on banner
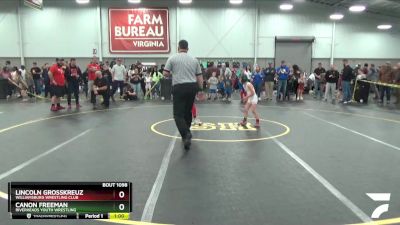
[139, 30]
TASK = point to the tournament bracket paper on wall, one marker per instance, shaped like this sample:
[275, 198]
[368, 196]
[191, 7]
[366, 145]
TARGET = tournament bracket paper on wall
[138, 31]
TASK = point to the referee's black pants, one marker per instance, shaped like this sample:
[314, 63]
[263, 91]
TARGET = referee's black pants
[184, 95]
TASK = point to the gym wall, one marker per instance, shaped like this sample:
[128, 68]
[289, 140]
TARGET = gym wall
[214, 29]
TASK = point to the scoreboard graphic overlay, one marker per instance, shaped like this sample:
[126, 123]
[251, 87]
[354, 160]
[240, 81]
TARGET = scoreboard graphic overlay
[70, 200]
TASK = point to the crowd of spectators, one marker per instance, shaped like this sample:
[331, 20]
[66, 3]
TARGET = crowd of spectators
[130, 83]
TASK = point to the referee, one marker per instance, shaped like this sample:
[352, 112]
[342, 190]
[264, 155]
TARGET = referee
[187, 80]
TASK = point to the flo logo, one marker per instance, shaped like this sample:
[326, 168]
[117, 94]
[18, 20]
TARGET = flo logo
[213, 129]
[379, 197]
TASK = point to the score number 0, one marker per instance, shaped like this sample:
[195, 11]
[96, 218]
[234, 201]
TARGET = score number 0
[121, 195]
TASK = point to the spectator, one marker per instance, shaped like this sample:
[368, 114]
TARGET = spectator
[23, 72]
[257, 81]
[347, 76]
[5, 74]
[247, 72]
[92, 68]
[331, 77]
[228, 71]
[386, 76]
[221, 86]
[135, 80]
[106, 71]
[36, 75]
[161, 70]
[235, 80]
[107, 64]
[100, 87]
[397, 81]
[131, 72]
[119, 73]
[30, 83]
[73, 74]
[8, 66]
[212, 86]
[129, 93]
[360, 74]
[319, 73]
[300, 86]
[295, 79]
[15, 80]
[228, 84]
[156, 77]
[212, 68]
[113, 62]
[142, 75]
[57, 81]
[148, 80]
[21, 84]
[373, 75]
[282, 77]
[46, 80]
[365, 69]
[228, 81]
[269, 73]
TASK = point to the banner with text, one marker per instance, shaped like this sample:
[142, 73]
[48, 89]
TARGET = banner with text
[139, 30]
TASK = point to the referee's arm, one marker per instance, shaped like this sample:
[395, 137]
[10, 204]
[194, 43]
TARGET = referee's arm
[167, 68]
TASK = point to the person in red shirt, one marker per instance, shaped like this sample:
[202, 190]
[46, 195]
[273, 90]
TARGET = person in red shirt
[57, 82]
[92, 68]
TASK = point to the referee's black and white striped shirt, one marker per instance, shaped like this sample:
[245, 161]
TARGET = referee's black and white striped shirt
[183, 67]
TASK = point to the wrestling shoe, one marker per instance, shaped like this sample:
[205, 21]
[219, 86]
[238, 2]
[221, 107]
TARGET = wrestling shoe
[197, 122]
[59, 107]
[53, 108]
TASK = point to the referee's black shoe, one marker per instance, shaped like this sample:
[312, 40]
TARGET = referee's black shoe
[187, 141]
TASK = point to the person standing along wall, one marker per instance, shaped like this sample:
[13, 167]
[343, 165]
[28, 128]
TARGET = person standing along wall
[247, 72]
[347, 76]
[5, 74]
[373, 75]
[331, 77]
[269, 81]
[36, 75]
[187, 80]
[296, 76]
[319, 73]
[92, 68]
[46, 80]
[282, 73]
[119, 73]
[397, 81]
[257, 81]
[106, 71]
[57, 81]
[73, 74]
[386, 76]
[156, 78]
